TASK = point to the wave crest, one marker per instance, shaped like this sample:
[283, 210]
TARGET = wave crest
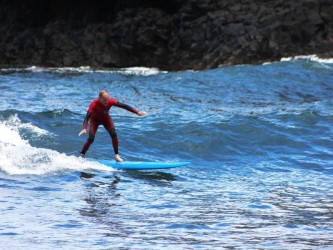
[18, 157]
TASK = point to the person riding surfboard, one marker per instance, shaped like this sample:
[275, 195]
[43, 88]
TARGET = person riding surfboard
[98, 114]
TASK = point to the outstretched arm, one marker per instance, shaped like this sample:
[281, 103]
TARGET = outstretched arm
[131, 109]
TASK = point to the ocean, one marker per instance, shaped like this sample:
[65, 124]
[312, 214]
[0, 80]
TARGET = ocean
[259, 139]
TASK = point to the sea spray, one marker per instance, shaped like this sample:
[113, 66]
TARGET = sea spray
[17, 156]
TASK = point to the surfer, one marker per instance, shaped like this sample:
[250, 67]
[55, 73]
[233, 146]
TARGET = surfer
[98, 114]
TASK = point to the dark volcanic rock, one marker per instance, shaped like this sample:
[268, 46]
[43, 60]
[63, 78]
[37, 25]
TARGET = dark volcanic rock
[171, 35]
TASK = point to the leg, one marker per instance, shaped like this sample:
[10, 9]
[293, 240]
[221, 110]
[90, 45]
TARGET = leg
[109, 126]
[114, 139]
[92, 131]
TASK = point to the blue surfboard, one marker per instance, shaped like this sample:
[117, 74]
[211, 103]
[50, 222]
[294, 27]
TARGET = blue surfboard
[141, 165]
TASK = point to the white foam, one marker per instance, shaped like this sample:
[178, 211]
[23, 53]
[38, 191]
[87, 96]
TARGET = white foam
[18, 157]
[35, 130]
[308, 57]
[10, 135]
[138, 71]
[15, 123]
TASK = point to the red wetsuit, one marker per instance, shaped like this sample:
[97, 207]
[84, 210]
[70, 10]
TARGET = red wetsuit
[98, 114]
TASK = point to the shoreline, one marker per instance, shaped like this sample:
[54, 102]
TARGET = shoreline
[146, 71]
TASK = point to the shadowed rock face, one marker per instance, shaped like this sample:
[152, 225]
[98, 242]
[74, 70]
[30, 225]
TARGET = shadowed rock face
[171, 35]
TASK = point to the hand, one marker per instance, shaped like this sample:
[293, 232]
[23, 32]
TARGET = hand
[142, 113]
[83, 131]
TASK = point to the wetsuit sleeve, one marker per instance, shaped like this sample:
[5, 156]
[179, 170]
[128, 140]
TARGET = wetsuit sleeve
[127, 107]
[86, 120]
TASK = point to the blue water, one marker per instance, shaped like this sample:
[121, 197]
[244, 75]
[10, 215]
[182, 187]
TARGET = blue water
[259, 138]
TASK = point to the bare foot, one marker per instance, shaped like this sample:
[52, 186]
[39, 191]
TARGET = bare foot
[118, 159]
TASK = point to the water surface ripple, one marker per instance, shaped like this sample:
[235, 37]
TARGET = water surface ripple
[259, 139]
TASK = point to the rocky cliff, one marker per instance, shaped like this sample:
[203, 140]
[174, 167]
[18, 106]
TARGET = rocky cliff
[171, 35]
